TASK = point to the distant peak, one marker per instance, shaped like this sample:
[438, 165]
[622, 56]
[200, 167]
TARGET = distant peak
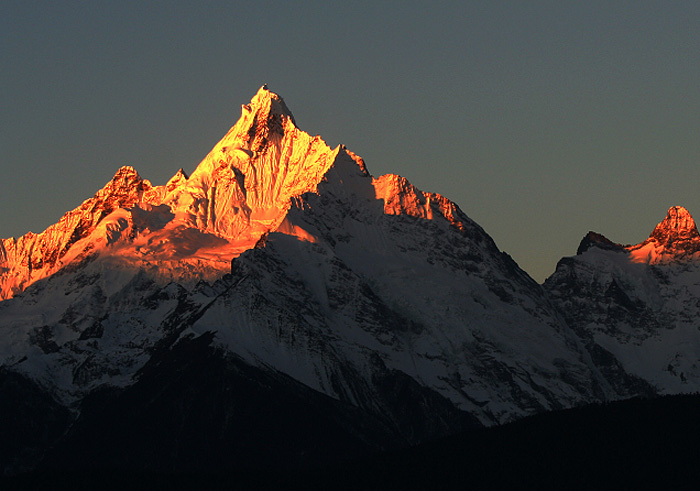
[123, 190]
[678, 226]
[593, 239]
[125, 179]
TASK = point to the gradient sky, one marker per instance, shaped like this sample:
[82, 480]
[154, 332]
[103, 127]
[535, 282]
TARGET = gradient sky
[541, 120]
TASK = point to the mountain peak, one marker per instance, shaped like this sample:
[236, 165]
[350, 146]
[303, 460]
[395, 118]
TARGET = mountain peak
[123, 190]
[266, 105]
[678, 226]
[675, 238]
[243, 186]
[126, 170]
[593, 239]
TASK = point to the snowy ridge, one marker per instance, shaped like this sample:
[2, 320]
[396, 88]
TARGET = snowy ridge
[35, 256]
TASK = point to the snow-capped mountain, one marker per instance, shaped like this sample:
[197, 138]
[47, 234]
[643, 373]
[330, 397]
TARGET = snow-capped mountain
[637, 306]
[282, 274]
[196, 225]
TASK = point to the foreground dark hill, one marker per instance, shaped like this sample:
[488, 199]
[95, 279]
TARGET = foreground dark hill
[633, 444]
[195, 408]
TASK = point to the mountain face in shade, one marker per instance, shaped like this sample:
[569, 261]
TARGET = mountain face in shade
[636, 307]
[360, 312]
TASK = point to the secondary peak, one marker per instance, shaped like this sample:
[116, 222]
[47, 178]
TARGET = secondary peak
[678, 226]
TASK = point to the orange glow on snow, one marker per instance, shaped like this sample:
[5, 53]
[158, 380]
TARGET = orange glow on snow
[288, 228]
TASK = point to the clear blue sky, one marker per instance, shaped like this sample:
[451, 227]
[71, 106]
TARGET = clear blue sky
[542, 120]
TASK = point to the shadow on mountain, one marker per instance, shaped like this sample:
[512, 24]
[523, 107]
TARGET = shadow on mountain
[30, 421]
[197, 413]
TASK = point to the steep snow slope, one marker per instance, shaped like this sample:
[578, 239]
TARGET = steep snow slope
[637, 307]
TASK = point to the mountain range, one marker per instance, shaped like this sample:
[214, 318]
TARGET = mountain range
[282, 308]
